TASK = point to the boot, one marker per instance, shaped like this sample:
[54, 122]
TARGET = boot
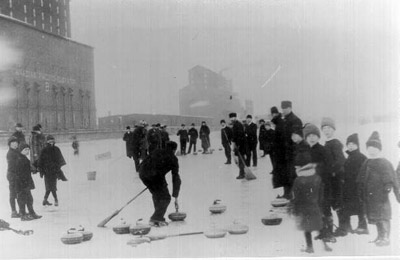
[329, 238]
[15, 214]
[379, 230]
[35, 216]
[240, 177]
[361, 231]
[26, 217]
[385, 233]
[56, 203]
[46, 203]
[340, 232]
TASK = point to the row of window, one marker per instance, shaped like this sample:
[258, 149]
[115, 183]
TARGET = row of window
[33, 1]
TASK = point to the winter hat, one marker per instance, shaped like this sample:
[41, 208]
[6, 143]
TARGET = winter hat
[249, 116]
[36, 128]
[374, 141]
[261, 121]
[274, 110]
[203, 122]
[327, 121]
[23, 146]
[286, 104]
[311, 129]
[18, 125]
[222, 121]
[182, 124]
[298, 131]
[192, 124]
[40, 126]
[353, 139]
[50, 138]
[128, 127]
[12, 139]
[158, 125]
[232, 115]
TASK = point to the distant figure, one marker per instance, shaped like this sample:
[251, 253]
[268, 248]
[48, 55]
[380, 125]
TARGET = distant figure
[12, 166]
[37, 142]
[75, 145]
[193, 135]
[238, 143]
[128, 138]
[164, 136]
[183, 138]
[251, 140]
[205, 137]
[19, 134]
[226, 137]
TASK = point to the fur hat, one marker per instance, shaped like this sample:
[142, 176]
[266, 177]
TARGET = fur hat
[12, 139]
[23, 146]
[50, 138]
[232, 115]
[374, 141]
[193, 124]
[353, 139]
[274, 110]
[128, 127]
[249, 116]
[311, 129]
[261, 121]
[36, 128]
[158, 125]
[286, 104]
[327, 121]
[222, 121]
[182, 124]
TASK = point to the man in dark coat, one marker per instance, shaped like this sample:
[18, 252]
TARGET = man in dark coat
[50, 162]
[37, 142]
[154, 138]
[205, 137]
[128, 138]
[183, 138]
[164, 136]
[262, 135]
[152, 173]
[193, 135]
[238, 143]
[291, 122]
[12, 162]
[226, 137]
[135, 144]
[251, 139]
[352, 199]
[19, 134]
[143, 143]
[24, 185]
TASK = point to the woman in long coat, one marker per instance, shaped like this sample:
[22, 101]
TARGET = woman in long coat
[50, 162]
[205, 136]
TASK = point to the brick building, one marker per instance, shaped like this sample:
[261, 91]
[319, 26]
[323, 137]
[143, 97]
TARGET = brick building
[52, 82]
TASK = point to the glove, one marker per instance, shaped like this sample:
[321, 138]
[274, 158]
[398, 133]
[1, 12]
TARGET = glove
[176, 204]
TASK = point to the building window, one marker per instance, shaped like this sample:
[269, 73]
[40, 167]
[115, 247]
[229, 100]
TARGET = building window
[41, 3]
[43, 26]
[58, 10]
[58, 30]
[51, 28]
[34, 12]
[10, 1]
[34, 22]
[42, 16]
[65, 13]
[24, 8]
[26, 19]
[58, 22]
[51, 19]
[66, 26]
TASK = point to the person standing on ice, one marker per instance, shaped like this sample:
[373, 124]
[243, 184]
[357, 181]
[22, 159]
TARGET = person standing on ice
[193, 135]
[251, 139]
[226, 137]
[334, 149]
[238, 143]
[376, 179]
[205, 137]
[321, 157]
[75, 145]
[164, 136]
[141, 139]
[290, 122]
[50, 162]
[12, 166]
[183, 138]
[352, 199]
[152, 172]
[128, 138]
[19, 134]
[262, 137]
[37, 142]
[24, 185]
[154, 138]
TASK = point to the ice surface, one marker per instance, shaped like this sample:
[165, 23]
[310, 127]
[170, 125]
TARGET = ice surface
[204, 179]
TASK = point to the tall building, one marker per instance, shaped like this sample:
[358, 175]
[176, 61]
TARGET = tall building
[208, 94]
[49, 78]
[49, 15]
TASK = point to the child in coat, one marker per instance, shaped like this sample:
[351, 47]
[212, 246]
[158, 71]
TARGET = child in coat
[377, 179]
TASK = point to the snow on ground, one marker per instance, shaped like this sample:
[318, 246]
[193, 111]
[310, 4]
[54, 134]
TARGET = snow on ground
[204, 179]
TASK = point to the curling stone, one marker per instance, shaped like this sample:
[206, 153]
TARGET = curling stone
[280, 202]
[122, 228]
[195, 153]
[139, 228]
[177, 216]
[271, 220]
[72, 238]
[87, 235]
[215, 233]
[217, 207]
[237, 228]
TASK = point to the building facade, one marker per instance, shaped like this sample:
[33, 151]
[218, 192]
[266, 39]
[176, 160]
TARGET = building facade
[51, 83]
[208, 94]
[52, 16]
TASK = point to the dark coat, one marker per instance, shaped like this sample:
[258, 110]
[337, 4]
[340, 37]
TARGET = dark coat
[20, 137]
[280, 176]
[50, 162]
[307, 191]
[128, 138]
[262, 135]
[320, 156]
[12, 164]
[193, 134]
[154, 138]
[291, 123]
[139, 134]
[251, 135]
[352, 202]
[205, 136]
[226, 135]
[154, 168]
[24, 179]
[376, 178]
[238, 137]
[183, 134]
[164, 138]
[37, 142]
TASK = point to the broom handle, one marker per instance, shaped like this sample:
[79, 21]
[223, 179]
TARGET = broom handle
[186, 234]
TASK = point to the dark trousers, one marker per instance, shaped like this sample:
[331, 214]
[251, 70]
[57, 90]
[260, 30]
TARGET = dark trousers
[161, 197]
[13, 195]
[241, 162]
[228, 154]
[251, 153]
[25, 199]
[183, 146]
[136, 158]
[383, 228]
[344, 220]
[192, 143]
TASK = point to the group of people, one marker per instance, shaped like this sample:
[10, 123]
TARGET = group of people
[192, 135]
[45, 158]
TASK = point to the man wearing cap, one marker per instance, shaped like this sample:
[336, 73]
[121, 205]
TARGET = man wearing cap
[12, 163]
[251, 139]
[50, 162]
[193, 134]
[19, 134]
[238, 142]
[226, 137]
[291, 122]
[37, 142]
[183, 138]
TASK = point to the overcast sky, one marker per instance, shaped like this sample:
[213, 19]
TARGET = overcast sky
[335, 58]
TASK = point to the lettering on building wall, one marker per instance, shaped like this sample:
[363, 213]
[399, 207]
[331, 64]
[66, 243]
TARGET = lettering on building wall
[44, 76]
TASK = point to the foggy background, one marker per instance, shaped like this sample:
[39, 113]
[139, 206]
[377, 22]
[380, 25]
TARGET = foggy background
[334, 58]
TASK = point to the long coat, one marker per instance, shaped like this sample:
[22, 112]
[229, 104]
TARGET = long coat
[205, 136]
[37, 142]
[50, 162]
[290, 123]
[12, 164]
[128, 138]
[193, 134]
[24, 179]
[251, 135]
[352, 201]
[262, 136]
[226, 136]
[280, 176]
[307, 191]
[377, 178]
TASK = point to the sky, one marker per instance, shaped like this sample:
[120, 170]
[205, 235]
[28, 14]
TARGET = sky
[334, 58]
